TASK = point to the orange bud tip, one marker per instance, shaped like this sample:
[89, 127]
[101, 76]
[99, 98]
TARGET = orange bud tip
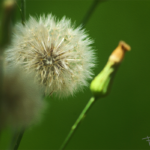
[118, 54]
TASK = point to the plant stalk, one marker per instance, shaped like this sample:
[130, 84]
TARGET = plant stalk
[23, 10]
[8, 8]
[19, 138]
[89, 13]
[74, 127]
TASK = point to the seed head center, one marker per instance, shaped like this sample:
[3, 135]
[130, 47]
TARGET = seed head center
[49, 60]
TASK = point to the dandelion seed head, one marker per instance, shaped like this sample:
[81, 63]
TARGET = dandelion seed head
[22, 104]
[60, 55]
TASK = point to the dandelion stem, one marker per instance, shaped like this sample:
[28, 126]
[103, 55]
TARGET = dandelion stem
[14, 137]
[18, 136]
[23, 10]
[8, 8]
[89, 12]
[1, 76]
[74, 127]
[0, 133]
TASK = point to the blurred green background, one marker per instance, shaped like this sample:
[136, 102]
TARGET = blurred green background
[120, 120]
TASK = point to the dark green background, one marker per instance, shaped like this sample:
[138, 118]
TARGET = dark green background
[120, 120]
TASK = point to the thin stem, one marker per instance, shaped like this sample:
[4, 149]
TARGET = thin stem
[1, 83]
[89, 13]
[19, 9]
[1, 76]
[0, 133]
[74, 127]
[14, 138]
[8, 8]
[18, 137]
[23, 10]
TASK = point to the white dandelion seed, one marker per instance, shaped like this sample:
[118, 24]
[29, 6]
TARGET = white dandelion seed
[59, 54]
[22, 104]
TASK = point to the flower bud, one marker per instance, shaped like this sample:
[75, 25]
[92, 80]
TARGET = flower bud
[101, 84]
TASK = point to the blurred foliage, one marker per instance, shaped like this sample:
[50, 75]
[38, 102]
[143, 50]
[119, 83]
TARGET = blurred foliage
[120, 120]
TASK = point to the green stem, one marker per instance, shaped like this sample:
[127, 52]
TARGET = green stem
[89, 13]
[17, 139]
[74, 127]
[8, 8]
[23, 10]
[0, 133]
[14, 138]
[1, 76]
